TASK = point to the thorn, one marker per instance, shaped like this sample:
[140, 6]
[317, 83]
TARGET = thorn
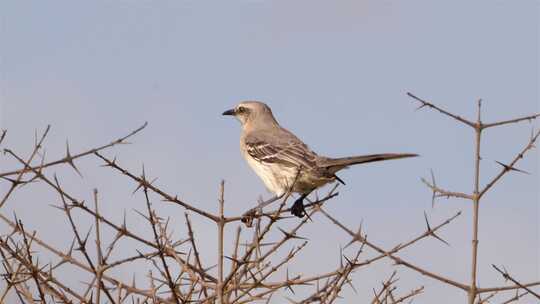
[141, 255]
[289, 235]
[143, 182]
[431, 232]
[87, 235]
[291, 253]
[69, 160]
[434, 187]
[510, 168]
[340, 257]
[351, 263]
[110, 163]
[440, 239]
[427, 222]
[238, 262]
[35, 138]
[269, 298]
[357, 236]
[70, 250]
[172, 200]
[124, 225]
[288, 283]
[349, 282]
[506, 275]
[188, 258]
[205, 270]
[421, 106]
[14, 182]
[18, 224]
[148, 218]
[58, 207]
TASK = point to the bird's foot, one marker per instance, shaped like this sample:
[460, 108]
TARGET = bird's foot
[297, 208]
[247, 217]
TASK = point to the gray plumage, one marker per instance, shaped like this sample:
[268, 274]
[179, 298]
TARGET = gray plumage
[282, 160]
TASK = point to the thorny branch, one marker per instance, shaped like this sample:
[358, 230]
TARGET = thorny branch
[473, 290]
[507, 276]
[256, 269]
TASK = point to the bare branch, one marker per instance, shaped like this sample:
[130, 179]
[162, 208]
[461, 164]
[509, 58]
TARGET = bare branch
[118, 141]
[510, 121]
[508, 168]
[424, 103]
[507, 276]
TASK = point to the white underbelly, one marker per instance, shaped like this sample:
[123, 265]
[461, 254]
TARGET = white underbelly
[276, 178]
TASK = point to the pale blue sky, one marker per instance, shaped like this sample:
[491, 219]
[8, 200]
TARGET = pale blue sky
[334, 72]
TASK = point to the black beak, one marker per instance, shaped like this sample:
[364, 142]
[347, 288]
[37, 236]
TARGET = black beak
[229, 112]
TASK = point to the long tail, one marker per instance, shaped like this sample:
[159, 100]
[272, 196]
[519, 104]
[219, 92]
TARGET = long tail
[336, 164]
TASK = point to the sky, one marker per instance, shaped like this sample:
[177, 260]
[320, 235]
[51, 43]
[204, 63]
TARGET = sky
[335, 73]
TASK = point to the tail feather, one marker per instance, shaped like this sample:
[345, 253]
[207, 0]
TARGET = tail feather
[336, 164]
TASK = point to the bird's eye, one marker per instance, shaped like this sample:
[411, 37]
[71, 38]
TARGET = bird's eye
[241, 110]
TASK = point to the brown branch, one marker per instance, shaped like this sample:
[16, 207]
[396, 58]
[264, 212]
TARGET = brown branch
[507, 288]
[360, 239]
[411, 294]
[33, 270]
[385, 286]
[120, 229]
[507, 276]
[439, 192]
[121, 140]
[11, 278]
[252, 268]
[43, 282]
[271, 288]
[472, 292]
[99, 252]
[510, 121]
[509, 167]
[478, 126]
[161, 248]
[516, 297]
[17, 181]
[220, 236]
[425, 103]
[396, 259]
[68, 258]
[166, 197]
[272, 213]
[80, 241]
[195, 250]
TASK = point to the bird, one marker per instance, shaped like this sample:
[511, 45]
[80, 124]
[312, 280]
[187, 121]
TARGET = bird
[283, 162]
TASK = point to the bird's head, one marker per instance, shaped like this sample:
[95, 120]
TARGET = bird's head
[252, 114]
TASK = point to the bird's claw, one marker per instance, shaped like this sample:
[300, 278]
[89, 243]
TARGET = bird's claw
[247, 218]
[297, 208]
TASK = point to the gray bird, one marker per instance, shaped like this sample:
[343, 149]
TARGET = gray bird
[284, 162]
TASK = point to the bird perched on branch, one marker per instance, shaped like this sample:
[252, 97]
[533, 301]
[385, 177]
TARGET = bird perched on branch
[284, 162]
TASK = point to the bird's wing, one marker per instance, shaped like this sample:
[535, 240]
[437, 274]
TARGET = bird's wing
[280, 148]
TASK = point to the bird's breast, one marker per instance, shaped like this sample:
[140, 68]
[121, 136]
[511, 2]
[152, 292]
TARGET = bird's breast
[267, 173]
[278, 179]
